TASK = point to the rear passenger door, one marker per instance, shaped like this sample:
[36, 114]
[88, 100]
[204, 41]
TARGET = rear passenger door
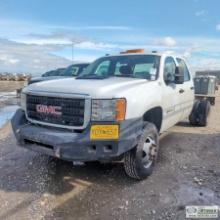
[187, 88]
[171, 96]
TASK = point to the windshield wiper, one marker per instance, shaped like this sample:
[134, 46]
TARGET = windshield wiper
[129, 76]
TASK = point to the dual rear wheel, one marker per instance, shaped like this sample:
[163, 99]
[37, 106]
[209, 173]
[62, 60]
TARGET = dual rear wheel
[200, 113]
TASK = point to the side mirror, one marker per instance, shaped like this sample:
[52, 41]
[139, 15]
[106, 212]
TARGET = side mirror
[179, 75]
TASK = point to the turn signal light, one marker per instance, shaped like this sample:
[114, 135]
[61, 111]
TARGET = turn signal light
[120, 109]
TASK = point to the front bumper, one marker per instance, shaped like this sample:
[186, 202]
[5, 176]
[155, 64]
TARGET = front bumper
[75, 145]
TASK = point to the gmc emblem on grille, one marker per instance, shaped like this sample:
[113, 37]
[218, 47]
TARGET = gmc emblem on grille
[52, 110]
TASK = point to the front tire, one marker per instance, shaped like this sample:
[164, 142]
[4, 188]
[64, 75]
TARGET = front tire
[139, 162]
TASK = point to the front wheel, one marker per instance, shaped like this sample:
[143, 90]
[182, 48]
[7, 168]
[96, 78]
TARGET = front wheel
[139, 161]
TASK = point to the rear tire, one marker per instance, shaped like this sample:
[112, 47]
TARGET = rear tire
[139, 162]
[212, 101]
[193, 116]
[203, 112]
[199, 114]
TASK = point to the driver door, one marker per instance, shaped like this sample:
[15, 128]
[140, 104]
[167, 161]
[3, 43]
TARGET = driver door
[171, 96]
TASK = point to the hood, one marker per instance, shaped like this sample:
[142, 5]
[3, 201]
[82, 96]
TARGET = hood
[41, 79]
[96, 88]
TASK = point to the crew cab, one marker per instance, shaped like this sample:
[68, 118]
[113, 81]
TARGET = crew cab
[115, 110]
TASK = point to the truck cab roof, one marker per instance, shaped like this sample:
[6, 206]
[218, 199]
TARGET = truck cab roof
[158, 53]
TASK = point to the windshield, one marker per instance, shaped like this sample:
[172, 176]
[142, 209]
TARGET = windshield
[135, 66]
[56, 72]
[71, 71]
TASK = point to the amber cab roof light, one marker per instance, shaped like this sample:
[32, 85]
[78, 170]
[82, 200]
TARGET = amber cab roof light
[133, 51]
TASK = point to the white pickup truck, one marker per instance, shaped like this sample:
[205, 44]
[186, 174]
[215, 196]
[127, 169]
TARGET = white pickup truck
[115, 110]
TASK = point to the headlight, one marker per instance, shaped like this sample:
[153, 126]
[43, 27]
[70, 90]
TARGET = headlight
[23, 101]
[108, 109]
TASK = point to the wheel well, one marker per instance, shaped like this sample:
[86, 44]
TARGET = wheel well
[154, 116]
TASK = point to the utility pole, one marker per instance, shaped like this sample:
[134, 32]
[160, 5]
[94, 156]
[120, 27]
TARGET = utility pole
[73, 52]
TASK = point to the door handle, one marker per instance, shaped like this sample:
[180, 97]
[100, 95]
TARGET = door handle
[181, 91]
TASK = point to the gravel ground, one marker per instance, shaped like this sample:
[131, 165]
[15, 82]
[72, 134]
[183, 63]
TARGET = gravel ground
[34, 186]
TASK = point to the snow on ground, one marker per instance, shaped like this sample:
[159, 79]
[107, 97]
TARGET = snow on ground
[6, 113]
[4, 96]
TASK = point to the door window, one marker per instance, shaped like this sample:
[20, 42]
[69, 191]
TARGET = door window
[185, 69]
[169, 70]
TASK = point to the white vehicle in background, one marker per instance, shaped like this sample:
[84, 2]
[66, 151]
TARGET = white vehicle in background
[71, 71]
[115, 110]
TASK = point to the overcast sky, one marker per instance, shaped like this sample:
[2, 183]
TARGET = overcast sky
[37, 35]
